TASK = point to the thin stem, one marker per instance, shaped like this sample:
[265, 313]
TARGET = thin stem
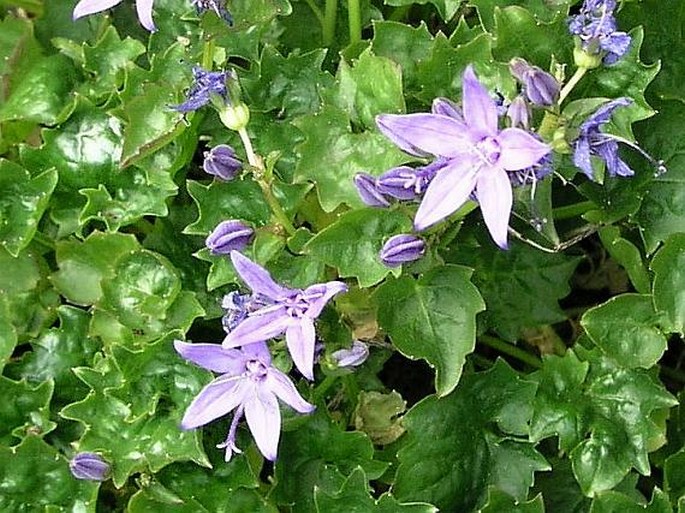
[42, 239]
[321, 390]
[317, 12]
[208, 54]
[354, 21]
[573, 81]
[570, 211]
[331, 12]
[257, 163]
[511, 350]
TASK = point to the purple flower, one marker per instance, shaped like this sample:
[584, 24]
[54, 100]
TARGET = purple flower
[518, 112]
[401, 249]
[595, 25]
[477, 156]
[143, 7]
[89, 466]
[207, 86]
[284, 310]
[217, 6]
[592, 141]
[221, 161]
[248, 384]
[367, 187]
[540, 87]
[352, 357]
[228, 236]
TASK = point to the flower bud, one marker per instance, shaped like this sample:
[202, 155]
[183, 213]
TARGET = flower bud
[235, 116]
[401, 249]
[352, 357]
[399, 182]
[368, 191]
[518, 112]
[89, 466]
[541, 88]
[228, 236]
[221, 161]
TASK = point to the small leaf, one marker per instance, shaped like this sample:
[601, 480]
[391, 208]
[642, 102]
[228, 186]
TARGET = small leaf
[615, 502]
[500, 502]
[669, 282]
[628, 256]
[25, 410]
[433, 318]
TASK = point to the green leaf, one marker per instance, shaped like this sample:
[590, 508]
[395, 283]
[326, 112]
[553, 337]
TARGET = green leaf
[454, 443]
[332, 154]
[663, 208]
[602, 415]
[8, 334]
[42, 96]
[292, 85]
[521, 287]
[318, 456]
[371, 86]
[354, 497]
[220, 201]
[542, 9]
[674, 476]
[668, 266]
[109, 60]
[626, 329]
[446, 8]
[133, 413]
[615, 502]
[500, 502]
[22, 203]
[35, 477]
[353, 242]
[84, 266]
[627, 255]
[25, 410]
[433, 318]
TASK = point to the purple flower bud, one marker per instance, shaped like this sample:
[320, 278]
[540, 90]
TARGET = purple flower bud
[518, 112]
[401, 249]
[228, 236]
[541, 88]
[221, 161]
[89, 466]
[352, 357]
[367, 188]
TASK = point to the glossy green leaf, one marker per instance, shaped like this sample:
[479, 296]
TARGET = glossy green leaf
[8, 334]
[628, 256]
[669, 282]
[332, 154]
[521, 287]
[23, 201]
[133, 411]
[35, 477]
[446, 8]
[674, 476]
[354, 496]
[353, 242]
[447, 459]
[433, 318]
[614, 502]
[500, 502]
[25, 410]
[542, 9]
[632, 339]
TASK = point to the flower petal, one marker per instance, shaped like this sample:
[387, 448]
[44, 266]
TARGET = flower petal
[520, 149]
[425, 134]
[447, 192]
[215, 400]
[327, 291]
[257, 351]
[300, 338]
[258, 328]
[212, 357]
[86, 7]
[264, 420]
[480, 110]
[495, 196]
[284, 389]
[258, 278]
[581, 157]
[144, 9]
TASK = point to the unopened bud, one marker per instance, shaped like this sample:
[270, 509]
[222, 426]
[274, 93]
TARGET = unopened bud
[221, 161]
[368, 191]
[352, 357]
[518, 112]
[228, 236]
[234, 116]
[89, 466]
[401, 249]
[540, 87]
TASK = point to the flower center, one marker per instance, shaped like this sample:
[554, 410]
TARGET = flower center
[489, 150]
[256, 370]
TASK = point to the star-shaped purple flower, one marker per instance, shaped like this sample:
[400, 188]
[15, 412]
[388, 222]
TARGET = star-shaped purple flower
[207, 85]
[592, 141]
[596, 27]
[478, 156]
[248, 384]
[143, 8]
[280, 310]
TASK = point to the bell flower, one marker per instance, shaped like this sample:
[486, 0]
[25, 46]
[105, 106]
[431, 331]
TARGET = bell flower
[478, 156]
[248, 384]
[284, 310]
[143, 8]
[596, 28]
[89, 466]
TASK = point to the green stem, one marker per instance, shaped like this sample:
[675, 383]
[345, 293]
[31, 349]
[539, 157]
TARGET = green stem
[331, 11]
[323, 387]
[45, 241]
[315, 9]
[570, 211]
[511, 350]
[354, 21]
[256, 162]
[208, 54]
[573, 81]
